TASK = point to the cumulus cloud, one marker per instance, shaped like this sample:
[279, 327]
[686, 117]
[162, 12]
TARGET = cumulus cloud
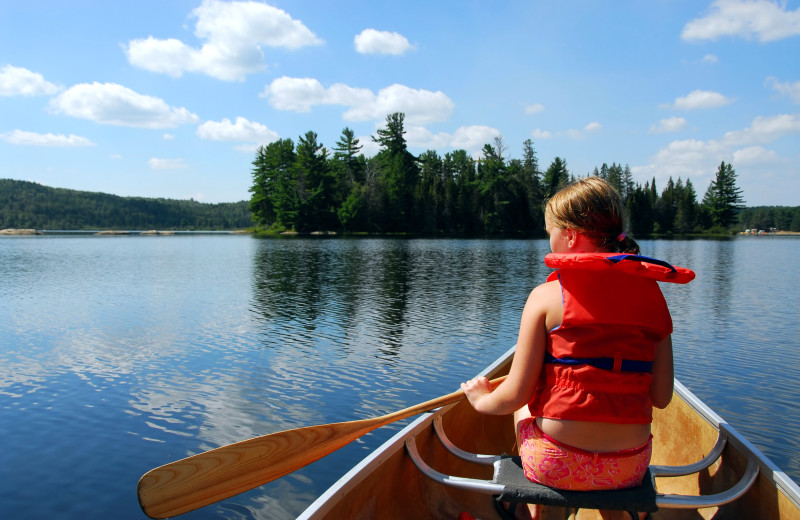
[233, 34]
[670, 124]
[473, 137]
[21, 137]
[371, 41]
[302, 94]
[166, 164]
[710, 58]
[113, 104]
[755, 155]
[470, 138]
[763, 20]
[790, 90]
[700, 99]
[18, 81]
[698, 159]
[541, 134]
[594, 126]
[242, 130]
[765, 129]
[534, 108]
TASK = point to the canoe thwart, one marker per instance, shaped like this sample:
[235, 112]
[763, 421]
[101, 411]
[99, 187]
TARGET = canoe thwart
[510, 484]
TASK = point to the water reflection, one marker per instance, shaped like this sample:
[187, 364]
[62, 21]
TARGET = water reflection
[164, 347]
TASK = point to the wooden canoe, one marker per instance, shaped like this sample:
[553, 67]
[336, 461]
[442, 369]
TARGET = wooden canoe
[389, 485]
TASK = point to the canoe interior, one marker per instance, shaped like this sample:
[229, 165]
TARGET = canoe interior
[388, 486]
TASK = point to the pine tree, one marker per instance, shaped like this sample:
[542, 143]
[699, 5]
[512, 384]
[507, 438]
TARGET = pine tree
[399, 173]
[723, 198]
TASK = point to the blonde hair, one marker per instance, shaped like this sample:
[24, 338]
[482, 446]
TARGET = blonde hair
[592, 207]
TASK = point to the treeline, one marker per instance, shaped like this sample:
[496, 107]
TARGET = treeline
[766, 218]
[30, 205]
[306, 187]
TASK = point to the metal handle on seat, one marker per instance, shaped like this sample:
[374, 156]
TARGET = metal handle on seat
[705, 462]
[471, 484]
[718, 499]
[487, 460]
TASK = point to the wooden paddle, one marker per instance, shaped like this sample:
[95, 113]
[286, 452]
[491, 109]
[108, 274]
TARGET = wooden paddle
[205, 478]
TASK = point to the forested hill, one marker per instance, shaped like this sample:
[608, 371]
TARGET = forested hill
[30, 205]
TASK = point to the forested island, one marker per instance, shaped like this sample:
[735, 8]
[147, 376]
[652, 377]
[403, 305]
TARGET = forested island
[33, 206]
[305, 187]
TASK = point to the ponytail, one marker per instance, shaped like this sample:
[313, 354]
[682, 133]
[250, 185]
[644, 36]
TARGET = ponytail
[626, 244]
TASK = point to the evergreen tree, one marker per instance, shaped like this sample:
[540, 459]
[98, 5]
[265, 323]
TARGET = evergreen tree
[351, 162]
[555, 178]
[261, 204]
[399, 172]
[275, 185]
[723, 198]
[686, 212]
[315, 185]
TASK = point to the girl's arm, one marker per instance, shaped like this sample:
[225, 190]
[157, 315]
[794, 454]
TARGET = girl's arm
[663, 374]
[517, 389]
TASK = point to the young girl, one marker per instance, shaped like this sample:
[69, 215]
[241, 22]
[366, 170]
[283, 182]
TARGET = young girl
[594, 352]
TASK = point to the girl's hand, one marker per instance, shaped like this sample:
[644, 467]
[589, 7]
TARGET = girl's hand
[476, 389]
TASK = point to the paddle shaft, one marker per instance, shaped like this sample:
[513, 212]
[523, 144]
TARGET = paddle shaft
[211, 476]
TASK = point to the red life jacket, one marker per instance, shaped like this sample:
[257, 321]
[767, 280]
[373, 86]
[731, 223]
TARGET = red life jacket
[598, 361]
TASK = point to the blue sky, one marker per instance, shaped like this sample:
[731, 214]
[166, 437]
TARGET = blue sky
[170, 99]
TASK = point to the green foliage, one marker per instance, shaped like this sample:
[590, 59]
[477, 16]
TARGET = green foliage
[306, 189]
[723, 198]
[766, 218]
[30, 205]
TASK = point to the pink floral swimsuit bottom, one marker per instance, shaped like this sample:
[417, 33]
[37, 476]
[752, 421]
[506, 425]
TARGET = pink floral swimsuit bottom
[551, 463]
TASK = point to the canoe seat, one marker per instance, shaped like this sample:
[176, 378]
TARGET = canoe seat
[509, 483]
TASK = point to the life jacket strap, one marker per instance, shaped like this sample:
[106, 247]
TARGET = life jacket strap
[626, 256]
[604, 363]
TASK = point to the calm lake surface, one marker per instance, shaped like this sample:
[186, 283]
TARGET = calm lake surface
[120, 354]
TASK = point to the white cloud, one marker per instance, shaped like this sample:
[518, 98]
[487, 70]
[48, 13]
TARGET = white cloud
[113, 104]
[690, 158]
[541, 134]
[168, 137]
[701, 99]
[710, 58]
[301, 94]
[166, 164]
[369, 147]
[21, 137]
[670, 124]
[473, 137]
[421, 137]
[763, 20]
[371, 41]
[791, 90]
[698, 160]
[765, 129]
[233, 35]
[755, 155]
[470, 138]
[534, 108]
[241, 130]
[17, 81]
[594, 126]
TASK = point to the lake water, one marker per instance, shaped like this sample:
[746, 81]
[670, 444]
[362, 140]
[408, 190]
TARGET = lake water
[120, 354]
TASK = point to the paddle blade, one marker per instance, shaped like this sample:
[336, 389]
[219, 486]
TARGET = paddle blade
[205, 478]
